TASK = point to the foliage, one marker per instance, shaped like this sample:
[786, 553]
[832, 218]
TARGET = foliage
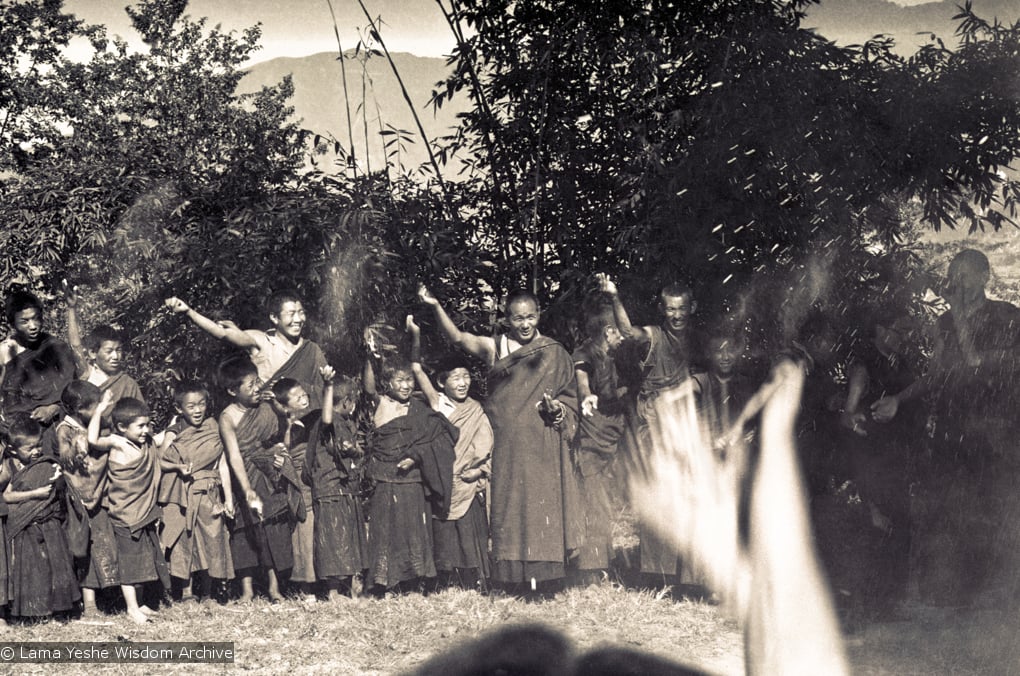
[720, 142]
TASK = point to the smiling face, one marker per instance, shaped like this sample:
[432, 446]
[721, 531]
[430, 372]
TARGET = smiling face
[296, 399]
[137, 431]
[457, 384]
[677, 311]
[248, 391]
[290, 320]
[723, 353]
[193, 408]
[28, 325]
[108, 357]
[523, 316]
[400, 385]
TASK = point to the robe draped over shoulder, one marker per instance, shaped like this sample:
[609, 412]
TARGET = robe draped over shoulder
[473, 450]
[133, 488]
[535, 502]
[279, 489]
[38, 375]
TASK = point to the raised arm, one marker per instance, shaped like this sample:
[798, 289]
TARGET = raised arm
[424, 382]
[96, 424]
[73, 328]
[222, 330]
[627, 329]
[482, 347]
[328, 375]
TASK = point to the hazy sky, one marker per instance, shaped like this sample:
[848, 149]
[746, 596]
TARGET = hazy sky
[299, 27]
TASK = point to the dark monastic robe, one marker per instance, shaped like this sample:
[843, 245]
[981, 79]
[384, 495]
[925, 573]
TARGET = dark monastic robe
[38, 375]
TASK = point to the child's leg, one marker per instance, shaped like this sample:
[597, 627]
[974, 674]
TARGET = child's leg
[247, 593]
[88, 600]
[274, 585]
[131, 599]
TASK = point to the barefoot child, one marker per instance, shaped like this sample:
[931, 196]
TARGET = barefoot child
[462, 538]
[411, 447]
[42, 580]
[261, 537]
[194, 526]
[333, 475]
[85, 470]
[133, 470]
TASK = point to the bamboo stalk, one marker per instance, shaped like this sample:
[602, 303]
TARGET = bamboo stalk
[347, 99]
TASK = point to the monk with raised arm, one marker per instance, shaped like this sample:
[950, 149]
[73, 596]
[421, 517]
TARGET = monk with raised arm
[532, 409]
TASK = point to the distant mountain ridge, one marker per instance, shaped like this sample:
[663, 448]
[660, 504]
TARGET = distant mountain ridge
[319, 101]
[854, 21]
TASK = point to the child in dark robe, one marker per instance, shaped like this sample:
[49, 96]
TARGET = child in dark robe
[261, 535]
[462, 538]
[298, 417]
[36, 365]
[42, 580]
[332, 472]
[133, 470]
[411, 447]
[85, 470]
[195, 506]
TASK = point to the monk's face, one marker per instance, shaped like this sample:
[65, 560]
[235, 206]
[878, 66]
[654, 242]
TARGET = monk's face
[27, 449]
[108, 357]
[247, 392]
[297, 399]
[137, 431]
[28, 324]
[965, 283]
[523, 316]
[613, 338]
[677, 311]
[290, 320]
[457, 384]
[193, 408]
[723, 354]
[401, 385]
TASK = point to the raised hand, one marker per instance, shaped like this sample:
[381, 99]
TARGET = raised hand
[176, 305]
[327, 373]
[605, 283]
[410, 326]
[70, 293]
[425, 296]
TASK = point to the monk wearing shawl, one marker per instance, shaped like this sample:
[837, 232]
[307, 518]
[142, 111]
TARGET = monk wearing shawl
[535, 508]
[194, 530]
[281, 352]
[410, 463]
[37, 366]
[42, 580]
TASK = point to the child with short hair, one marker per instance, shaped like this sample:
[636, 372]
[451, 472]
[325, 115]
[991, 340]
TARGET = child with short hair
[260, 540]
[461, 539]
[133, 470]
[411, 450]
[85, 470]
[36, 365]
[195, 505]
[298, 417]
[332, 472]
[42, 580]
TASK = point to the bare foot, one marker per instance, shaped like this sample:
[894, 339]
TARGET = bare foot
[137, 616]
[275, 597]
[246, 597]
[147, 610]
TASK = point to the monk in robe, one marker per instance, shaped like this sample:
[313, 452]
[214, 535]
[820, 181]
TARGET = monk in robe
[410, 463]
[331, 470]
[535, 510]
[41, 572]
[664, 373]
[600, 431]
[37, 366]
[194, 530]
[281, 352]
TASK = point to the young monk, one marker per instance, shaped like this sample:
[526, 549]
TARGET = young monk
[261, 537]
[42, 580]
[36, 365]
[724, 389]
[281, 352]
[133, 469]
[462, 538]
[531, 407]
[411, 448]
[600, 431]
[196, 505]
[298, 417]
[332, 471]
[85, 470]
